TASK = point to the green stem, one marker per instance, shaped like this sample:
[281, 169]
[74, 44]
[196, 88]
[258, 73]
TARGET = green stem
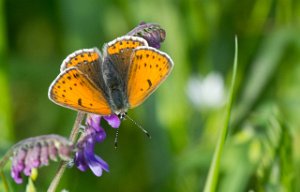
[212, 179]
[62, 167]
[4, 180]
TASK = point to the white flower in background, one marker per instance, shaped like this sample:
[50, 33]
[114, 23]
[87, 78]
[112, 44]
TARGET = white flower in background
[207, 92]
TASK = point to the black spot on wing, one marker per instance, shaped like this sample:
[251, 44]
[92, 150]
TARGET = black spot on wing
[79, 101]
[75, 75]
[149, 83]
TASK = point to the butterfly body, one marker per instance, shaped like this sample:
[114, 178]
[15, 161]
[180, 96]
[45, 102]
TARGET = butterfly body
[115, 87]
[127, 73]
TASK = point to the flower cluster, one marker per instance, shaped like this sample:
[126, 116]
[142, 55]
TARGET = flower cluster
[152, 33]
[36, 151]
[85, 156]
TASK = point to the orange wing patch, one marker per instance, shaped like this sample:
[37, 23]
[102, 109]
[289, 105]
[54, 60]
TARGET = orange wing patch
[149, 68]
[125, 42]
[80, 57]
[75, 90]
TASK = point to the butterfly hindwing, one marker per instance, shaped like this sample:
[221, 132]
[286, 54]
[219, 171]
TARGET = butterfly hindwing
[148, 69]
[81, 57]
[73, 89]
[120, 50]
[89, 62]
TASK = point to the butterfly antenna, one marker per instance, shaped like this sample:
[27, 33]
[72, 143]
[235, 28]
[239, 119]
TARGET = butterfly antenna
[116, 139]
[139, 126]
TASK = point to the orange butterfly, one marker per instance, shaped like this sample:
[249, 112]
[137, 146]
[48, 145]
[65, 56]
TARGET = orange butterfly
[127, 73]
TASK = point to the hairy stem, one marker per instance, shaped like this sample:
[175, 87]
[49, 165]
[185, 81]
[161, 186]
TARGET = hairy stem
[62, 167]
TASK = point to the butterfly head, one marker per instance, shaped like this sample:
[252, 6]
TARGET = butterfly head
[121, 114]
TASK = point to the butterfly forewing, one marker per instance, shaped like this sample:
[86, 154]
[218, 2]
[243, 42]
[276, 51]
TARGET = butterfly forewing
[73, 89]
[148, 68]
[120, 50]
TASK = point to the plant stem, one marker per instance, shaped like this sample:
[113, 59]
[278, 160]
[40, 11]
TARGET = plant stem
[62, 167]
[212, 179]
[4, 180]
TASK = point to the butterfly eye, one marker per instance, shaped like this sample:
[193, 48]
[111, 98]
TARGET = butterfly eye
[122, 116]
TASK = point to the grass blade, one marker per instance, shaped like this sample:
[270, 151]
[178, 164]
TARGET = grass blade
[211, 182]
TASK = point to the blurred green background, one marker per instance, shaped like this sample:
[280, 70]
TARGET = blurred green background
[186, 112]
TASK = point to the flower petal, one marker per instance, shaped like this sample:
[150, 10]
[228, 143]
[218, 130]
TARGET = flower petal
[94, 121]
[44, 155]
[18, 160]
[80, 161]
[28, 163]
[16, 175]
[95, 164]
[103, 163]
[99, 136]
[113, 120]
[35, 158]
[52, 151]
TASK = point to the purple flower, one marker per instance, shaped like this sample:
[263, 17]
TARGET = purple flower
[18, 165]
[85, 156]
[151, 32]
[35, 152]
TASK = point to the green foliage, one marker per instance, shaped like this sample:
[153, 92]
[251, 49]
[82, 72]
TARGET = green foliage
[260, 153]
